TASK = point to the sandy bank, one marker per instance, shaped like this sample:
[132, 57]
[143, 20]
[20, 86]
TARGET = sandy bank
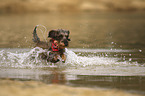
[33, 88]
[23, 6]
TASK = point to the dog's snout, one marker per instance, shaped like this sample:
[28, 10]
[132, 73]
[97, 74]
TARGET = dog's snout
[65, 42]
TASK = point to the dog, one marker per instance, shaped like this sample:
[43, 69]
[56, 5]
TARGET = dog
[59, 40]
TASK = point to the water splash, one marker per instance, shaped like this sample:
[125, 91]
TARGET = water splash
[31, 59]
[76, 60]
[43, 31]
[18, 59]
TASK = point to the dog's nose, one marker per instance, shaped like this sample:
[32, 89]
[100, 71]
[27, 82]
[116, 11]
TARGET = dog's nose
[65, 42]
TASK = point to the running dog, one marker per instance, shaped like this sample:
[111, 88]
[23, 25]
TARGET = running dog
[59, 40]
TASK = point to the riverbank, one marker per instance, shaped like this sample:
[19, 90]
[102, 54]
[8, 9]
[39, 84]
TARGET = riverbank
[26, 6]
[34, 88]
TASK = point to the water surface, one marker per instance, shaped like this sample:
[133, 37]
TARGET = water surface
[88, 68]
[88, 30]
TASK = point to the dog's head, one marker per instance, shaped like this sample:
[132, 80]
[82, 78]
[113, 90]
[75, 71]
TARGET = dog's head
[61, 35]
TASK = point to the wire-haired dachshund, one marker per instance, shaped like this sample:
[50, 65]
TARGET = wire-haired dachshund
[59, 40]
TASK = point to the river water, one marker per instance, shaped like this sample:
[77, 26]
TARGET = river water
[106, 50]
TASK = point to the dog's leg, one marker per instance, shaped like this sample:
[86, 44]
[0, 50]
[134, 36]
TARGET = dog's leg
[52, 57]
[63, 58]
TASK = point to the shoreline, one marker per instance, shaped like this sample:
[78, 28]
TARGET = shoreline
[10, 87]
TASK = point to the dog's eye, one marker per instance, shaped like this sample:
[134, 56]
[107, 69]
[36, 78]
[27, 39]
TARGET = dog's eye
[66, 36]
[60, 37]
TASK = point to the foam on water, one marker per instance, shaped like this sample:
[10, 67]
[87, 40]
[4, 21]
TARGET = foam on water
[74, 59]
[31, 59]
[18, 59]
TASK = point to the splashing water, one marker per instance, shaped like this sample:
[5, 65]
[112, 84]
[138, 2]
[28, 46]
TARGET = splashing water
[30, 58]
[74, 59]
[43, 31]
[17, 59]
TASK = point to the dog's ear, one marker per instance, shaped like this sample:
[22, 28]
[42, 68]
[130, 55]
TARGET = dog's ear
[68, 32]
[52, 33]
[68, 36]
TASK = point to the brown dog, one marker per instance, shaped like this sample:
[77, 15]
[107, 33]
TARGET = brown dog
[59, 40]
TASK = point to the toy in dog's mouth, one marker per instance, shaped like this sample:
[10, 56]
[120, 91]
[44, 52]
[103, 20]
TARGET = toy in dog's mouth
[59, 44]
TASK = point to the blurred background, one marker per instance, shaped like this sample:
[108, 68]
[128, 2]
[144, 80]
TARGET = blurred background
[23, 6]
[92, 23]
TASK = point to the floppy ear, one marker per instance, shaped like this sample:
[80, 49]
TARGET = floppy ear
[52, 33]
[68, 36]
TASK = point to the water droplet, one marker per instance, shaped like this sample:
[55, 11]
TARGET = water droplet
[112, 42]
[140, 50]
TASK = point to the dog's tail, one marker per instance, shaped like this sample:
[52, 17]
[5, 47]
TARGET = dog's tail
[35, 36]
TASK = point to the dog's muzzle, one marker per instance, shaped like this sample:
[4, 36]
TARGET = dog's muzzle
[64, 43]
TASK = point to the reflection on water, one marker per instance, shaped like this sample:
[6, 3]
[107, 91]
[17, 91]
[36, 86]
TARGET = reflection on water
[55, 76]
[120, 82]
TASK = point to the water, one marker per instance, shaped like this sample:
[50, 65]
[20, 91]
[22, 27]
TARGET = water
[88, 30]
[83, 67]
[106, 50]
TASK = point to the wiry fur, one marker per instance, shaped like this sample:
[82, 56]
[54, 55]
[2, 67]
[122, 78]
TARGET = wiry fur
[62, 38]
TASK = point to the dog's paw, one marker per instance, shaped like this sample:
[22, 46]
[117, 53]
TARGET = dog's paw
[63, 61]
